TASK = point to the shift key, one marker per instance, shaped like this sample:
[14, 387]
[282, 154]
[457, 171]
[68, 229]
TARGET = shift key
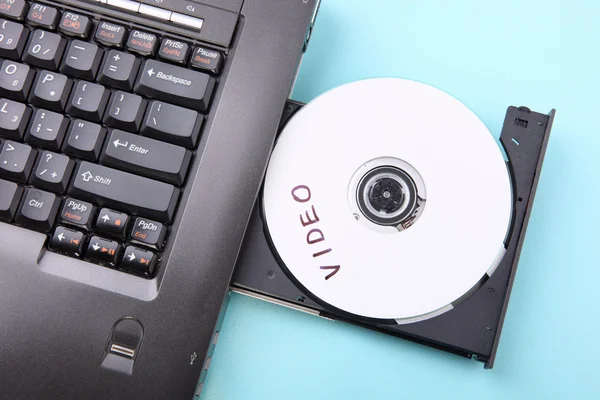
[176, 85]
[124, 191]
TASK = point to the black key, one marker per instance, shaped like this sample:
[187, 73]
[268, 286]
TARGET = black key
[42, 15]
[75, 25]
[103, 251]
[158, 124]
[47, 129]
[13, 8]
[143, 43]
[51, 91]
[206, 60]
[88, 101]
[16, 161]
[119, 70]
[138, 261]
[174, 51]
[112, 222]
[110, 34]
[82, 60]
[45, 49]
[84, 140]
[13, 119]
[188, 7]
[15, 80]
[10, 194]
[173, 84]
[147, 232]
[77, 213]
[52, 172]
[125, 191]
[145, 156]
[13, 37]
[67, 241]
[38, 210]
[125, 111]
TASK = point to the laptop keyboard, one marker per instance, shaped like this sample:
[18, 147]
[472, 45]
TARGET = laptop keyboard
[99, 122]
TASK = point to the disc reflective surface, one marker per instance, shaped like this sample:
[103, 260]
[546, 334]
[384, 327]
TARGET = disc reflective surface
[375, 271]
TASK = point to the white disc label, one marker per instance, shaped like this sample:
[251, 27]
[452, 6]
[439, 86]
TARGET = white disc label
[333, 247]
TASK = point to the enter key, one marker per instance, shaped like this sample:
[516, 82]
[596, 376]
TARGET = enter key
[145, 156]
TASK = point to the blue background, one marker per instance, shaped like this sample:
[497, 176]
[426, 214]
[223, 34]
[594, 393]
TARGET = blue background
[489, 54]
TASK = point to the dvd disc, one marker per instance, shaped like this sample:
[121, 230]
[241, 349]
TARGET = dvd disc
[387, 199]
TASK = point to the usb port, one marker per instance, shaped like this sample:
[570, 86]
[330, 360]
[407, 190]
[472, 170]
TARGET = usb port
[121, 350]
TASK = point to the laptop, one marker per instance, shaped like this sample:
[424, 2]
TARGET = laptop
[133, 139]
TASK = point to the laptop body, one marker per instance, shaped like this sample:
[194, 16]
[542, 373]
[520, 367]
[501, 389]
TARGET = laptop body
[114, 274]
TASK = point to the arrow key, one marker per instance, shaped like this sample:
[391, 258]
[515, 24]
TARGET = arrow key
[103, 251]
[138, 261]
[67, 241]
[112, 222]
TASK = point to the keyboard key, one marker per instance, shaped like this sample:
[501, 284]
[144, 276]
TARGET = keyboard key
[16, 161]
[103, 251]
[119, 70]
[131, 193]
[51, 91]
[174, 51]
[138, 261]
[10, 195]
[38, 210]
[52, 172]
[145, 156]
[110, 34]
[148, 232]
[78, 213]
[47, 129]
[67, 241]
[13, 119]
[112, 223]
[158, 124]
[43, 16]
[206, 60]
[88, 101]
[175, 84]
[13, 37]
[84, 140]
[15, 80]
[75, 25]
[45, 49]
[13, 8]
[125, 111]
[143, 43]
[82, 60]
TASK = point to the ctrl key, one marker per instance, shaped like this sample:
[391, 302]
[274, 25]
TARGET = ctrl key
[38, 210]
[67, 241]
[103, 251]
